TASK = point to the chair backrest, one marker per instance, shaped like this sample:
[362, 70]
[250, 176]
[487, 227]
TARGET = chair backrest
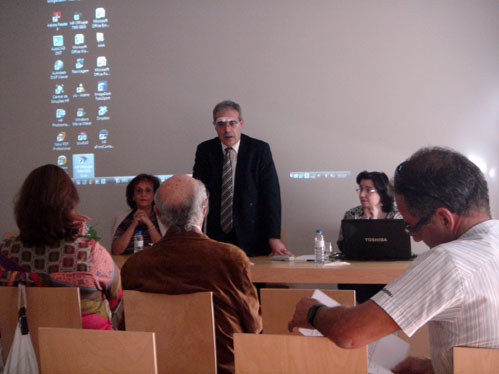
[184, 327]
[278, 306]
[47, 307]
[476, 360]
[79, 351]
[290, 354]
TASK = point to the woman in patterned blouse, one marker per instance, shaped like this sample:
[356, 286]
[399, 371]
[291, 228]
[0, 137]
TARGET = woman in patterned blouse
[50, 250]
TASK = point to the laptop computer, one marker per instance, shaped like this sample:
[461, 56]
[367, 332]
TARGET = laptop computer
[375, 240]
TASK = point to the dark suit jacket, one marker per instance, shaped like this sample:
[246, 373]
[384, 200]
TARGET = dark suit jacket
[257, 198]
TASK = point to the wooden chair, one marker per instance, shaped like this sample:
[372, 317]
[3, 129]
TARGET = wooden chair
[184, 327]
[476, 360]
[278, 306]
[79, 351]
[47, 307]
[289, 354]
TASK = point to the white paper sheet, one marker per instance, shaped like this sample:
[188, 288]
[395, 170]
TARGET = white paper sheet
[383, 354]
[305, 258]
[324, 299]
[388, 351]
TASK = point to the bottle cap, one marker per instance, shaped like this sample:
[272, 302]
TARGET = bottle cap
[318, 231]
[138, 232]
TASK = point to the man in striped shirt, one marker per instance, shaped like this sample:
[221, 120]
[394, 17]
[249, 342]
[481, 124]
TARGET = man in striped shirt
[454, 286]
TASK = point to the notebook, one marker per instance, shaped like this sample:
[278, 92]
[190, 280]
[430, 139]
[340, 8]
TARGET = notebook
[375, 240]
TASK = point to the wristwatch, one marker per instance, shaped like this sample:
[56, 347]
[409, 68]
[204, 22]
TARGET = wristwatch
[312, 312]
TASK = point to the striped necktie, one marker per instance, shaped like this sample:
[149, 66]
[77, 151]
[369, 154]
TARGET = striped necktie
[227, 193]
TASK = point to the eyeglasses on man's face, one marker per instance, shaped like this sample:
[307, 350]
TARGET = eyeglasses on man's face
[222, 122]
[413, 230]
[368, 190]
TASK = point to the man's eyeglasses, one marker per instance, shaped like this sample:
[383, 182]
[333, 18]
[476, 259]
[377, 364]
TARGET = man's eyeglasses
[366, 190]
[413, 230]
[222, 121]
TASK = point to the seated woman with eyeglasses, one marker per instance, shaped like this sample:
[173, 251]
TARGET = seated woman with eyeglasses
[141, 215]
[376, 202]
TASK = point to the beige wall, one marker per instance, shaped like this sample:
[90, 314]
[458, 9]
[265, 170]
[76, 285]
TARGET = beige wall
[331, 85]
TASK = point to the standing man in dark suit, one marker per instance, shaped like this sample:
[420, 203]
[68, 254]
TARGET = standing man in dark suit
[244, 195]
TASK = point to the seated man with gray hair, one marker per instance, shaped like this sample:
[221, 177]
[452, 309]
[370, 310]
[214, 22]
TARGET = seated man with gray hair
[454, 286]
[187, 261]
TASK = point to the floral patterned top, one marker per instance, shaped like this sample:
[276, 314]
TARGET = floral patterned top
[83, 263]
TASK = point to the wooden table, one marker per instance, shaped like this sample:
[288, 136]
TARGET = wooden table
[268, 271]
[369, 272]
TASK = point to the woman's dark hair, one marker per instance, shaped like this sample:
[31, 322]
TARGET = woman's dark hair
[382, 185]
[44, 207]
[130, 188]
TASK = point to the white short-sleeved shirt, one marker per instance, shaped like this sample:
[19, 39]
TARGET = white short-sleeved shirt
[455, 288]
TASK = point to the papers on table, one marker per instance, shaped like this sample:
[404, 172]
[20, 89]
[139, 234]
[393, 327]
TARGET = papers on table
[383, 354]
[311, 258]
[305, 258]
[282, 258]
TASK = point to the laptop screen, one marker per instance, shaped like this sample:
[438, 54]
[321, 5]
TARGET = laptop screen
[375, 239]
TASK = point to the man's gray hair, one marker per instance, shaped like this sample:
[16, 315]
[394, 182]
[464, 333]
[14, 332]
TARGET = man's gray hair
[227, 104]
[181, 217]
[437, 177]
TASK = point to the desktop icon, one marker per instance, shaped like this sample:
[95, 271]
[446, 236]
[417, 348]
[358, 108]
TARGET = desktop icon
[80, 89]
[77, 16]
[101, 61]
[79, 39]
[62, 160]
[60, 113]
[61, 136]
[79, 63]
[103, 134]
[80, 112]
[59, 89]
[100, 37]
[82, 136]
[102, 110]
[58, 40]
[56, 16]
[58, 65]
[100, 13]
[102, 86]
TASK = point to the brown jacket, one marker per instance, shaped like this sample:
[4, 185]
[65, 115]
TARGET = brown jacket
[191, 262]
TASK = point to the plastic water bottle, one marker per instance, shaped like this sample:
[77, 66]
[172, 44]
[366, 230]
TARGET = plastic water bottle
[319, 247]
[138, 242]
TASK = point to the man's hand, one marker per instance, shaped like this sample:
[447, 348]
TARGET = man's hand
[278, 248]
[300, 316]
[414, 365]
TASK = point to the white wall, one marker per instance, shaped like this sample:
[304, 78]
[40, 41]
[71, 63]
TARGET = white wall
[331, 85]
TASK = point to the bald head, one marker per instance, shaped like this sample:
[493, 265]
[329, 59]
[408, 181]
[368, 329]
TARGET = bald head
[181, 202]
[176, 189]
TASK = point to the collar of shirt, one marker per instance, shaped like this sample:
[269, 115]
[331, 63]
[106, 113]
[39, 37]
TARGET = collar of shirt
[235, 147]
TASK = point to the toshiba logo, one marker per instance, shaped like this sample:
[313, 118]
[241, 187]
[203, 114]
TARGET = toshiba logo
[375, 239]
